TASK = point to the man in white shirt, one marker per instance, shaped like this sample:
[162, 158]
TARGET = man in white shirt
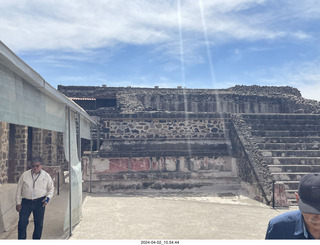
[35, 189]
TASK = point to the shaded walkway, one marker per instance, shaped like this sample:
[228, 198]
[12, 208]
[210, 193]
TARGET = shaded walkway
[53, 220]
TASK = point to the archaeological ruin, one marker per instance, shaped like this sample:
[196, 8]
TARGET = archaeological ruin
[252, 140]
[256, 141]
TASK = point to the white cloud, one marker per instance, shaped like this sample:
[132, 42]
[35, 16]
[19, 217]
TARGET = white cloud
[77, 30]
[83, 24]
[303, 75]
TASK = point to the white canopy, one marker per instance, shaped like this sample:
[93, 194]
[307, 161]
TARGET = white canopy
[27, 99]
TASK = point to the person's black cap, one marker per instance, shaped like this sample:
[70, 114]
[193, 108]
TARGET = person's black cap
[309, 194]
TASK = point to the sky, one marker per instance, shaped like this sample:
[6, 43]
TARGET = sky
[203, 44]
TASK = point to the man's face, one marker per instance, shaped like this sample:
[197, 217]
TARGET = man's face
[312, 220]
[36, 167]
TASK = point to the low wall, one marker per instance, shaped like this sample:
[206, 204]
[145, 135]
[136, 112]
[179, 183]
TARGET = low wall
[8, 213]
[156, 173]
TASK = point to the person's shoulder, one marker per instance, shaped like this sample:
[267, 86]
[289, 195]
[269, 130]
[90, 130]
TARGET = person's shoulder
[287, 217]
[286, 226]
[45, 173]
[26, 172]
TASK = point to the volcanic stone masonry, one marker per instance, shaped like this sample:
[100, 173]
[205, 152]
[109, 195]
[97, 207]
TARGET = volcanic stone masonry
[157, 138]
[18, 144]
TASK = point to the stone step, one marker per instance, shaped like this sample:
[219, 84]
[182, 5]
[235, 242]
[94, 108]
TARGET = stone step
[291, 193]
[289, 146]
[285, 168]
[266, 140]
[282, 116]
[293, 160]
[291, 197]
[285, 153]
[270, 126]
[292, 201]
[291, 184]
[288, 122]
[284, 133]
[288, 176]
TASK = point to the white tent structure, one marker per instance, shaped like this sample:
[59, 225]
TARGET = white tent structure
[27, 99]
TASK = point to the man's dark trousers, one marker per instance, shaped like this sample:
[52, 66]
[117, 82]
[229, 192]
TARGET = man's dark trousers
[36, 207]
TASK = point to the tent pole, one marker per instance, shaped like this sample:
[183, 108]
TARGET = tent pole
[69, 145]
[90, 162]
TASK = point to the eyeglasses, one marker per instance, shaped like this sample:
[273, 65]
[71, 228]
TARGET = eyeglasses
[36, 166]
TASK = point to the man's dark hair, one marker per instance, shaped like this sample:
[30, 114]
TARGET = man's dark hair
[37, 159]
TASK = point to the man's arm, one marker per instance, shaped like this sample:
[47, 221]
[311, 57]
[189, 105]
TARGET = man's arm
[18, 193]
[50, 187]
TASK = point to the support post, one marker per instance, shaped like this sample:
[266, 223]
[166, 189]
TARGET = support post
[273, 195]
[58, 184]
[98, 139]
[79, 136]
[90, 163]
[70, 175]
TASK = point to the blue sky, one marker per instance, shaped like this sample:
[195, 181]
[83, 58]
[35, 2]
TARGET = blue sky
[168, 43]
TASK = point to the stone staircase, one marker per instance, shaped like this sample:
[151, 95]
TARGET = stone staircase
[290, 144]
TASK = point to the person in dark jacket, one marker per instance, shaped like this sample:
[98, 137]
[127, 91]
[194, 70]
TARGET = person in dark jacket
[305, 222]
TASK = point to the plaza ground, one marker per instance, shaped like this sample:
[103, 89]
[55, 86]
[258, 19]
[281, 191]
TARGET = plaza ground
[158, 215]
[175, 216]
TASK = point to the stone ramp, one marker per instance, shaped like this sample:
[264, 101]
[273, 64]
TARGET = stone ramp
[290, 145]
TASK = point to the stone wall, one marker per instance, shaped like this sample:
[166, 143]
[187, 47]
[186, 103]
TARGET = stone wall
[48, 145]
[103, 166]
[194, 101]
[4, 152]
[238, 99]
[109, 174]
[266, 90]
[169, 128]
[253, 169]
[60, 159]
[139, 125]
[165, 134]
[37, 141]
[49, 153]
[19, 155]
[19, 144]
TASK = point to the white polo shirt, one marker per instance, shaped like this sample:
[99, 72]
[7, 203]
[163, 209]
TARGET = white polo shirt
[33, 186]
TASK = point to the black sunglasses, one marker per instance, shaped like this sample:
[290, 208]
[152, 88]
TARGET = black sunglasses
[36, 166]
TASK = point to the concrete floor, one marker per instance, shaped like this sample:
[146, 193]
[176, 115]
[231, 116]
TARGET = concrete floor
[172, 216]
[157, 215]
